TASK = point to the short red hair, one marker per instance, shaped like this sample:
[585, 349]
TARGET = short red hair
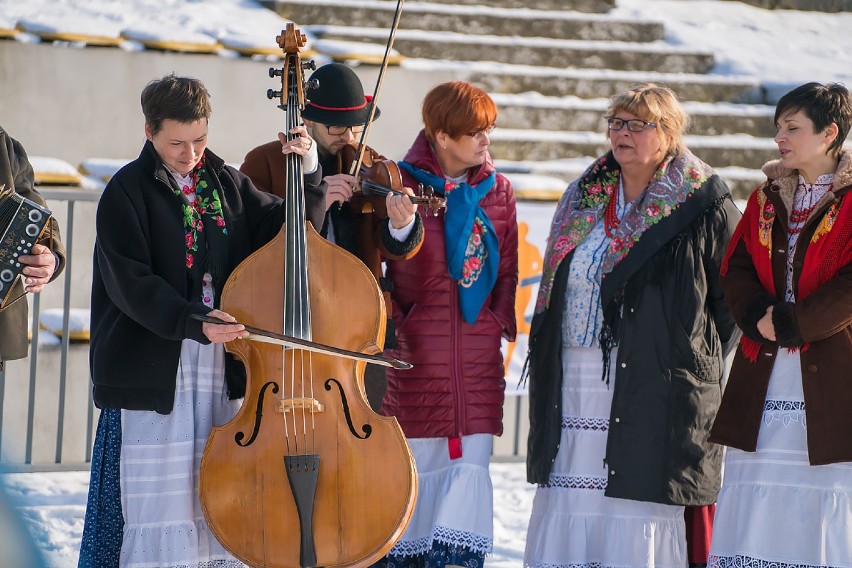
[457, 108]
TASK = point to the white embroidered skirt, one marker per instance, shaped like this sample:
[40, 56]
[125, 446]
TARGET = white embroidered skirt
[774, 508]
[572, 523]
[160, 458]
[455, 498]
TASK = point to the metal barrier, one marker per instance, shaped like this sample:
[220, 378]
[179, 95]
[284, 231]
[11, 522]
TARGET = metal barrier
[38, 423]
[8, 431]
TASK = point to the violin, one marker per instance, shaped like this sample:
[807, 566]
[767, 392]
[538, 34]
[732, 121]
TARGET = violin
[377, 177]
[306, 475]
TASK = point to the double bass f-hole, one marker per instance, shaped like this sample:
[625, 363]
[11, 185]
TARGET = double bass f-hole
[258, 416]
[366, 428]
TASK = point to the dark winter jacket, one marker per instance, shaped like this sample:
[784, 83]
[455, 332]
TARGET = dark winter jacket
[819, 324]
[141, 302]
[17, 173]
[666, 312]
[456, 386]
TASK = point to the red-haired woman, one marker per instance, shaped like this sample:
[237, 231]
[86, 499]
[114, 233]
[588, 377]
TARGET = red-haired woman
[452, 304]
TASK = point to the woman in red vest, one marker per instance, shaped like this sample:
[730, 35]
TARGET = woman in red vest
[786, 499]
[453, 303]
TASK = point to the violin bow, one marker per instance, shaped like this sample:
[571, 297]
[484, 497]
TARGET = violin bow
[265, 336]
[362, 145]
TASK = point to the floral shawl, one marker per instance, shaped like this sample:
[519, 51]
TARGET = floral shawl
[583, 204]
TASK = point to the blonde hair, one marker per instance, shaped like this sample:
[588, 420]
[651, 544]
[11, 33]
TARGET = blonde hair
[657, 104]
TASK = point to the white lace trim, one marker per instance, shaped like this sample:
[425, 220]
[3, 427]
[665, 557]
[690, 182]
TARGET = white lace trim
[475, 542]
[583, 423]
[579, 565]
[741, 561]
[577, 482]
[785, 411]
[211, 564]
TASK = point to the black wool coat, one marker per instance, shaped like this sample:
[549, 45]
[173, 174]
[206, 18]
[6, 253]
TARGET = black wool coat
[665, 307]
[141, 298]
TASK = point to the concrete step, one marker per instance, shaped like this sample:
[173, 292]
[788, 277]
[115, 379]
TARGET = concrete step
[656, 56]
[590, 83]
[476, 20]
[593, 6]
[806, 5]
[533, 111]
[738, 150]
[741, 181]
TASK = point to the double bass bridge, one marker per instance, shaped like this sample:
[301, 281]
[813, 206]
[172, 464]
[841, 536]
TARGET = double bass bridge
[304, 403]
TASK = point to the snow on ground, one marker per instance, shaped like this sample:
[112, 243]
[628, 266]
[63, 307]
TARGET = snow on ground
[51, 507]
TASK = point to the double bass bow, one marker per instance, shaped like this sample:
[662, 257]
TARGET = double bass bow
[377, 176]
[306, 474]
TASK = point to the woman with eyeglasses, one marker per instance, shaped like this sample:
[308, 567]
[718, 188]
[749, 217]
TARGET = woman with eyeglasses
[785, 417]
[453, 303]
[627, 346]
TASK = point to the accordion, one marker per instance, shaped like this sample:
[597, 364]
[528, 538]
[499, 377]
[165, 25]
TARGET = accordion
[22, 222]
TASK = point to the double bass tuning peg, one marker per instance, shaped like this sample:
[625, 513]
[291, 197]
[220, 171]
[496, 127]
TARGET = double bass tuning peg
[273, 94]
[312, 84]
[273, 72]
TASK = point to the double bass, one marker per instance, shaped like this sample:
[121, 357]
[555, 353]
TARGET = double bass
[306, 474]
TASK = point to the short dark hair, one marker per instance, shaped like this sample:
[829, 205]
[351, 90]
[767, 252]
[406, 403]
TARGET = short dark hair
[823, 105]
[183, 99]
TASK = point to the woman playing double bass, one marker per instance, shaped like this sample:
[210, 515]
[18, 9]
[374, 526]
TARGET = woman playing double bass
[335, 116]
[171, 226]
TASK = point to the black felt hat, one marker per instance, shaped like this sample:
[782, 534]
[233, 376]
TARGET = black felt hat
[339, 100]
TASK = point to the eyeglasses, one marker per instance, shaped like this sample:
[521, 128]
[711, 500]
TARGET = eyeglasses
[633, 125]
[481, 133]
[341, 130]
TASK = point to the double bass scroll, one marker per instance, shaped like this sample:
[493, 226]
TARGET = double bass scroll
[306, 474]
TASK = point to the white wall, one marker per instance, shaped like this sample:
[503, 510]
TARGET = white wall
[78, 103]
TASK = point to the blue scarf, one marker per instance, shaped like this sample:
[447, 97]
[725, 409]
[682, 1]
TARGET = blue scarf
[473, 254]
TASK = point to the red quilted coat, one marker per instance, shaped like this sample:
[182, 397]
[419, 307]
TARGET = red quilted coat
[456, 386]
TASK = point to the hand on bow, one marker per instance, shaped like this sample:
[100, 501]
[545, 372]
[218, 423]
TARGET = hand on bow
[340, 187]
[223, 333]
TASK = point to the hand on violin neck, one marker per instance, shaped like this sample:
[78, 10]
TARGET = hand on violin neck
[223, 332]
[339, 190]
[303, 145]
[400, 208]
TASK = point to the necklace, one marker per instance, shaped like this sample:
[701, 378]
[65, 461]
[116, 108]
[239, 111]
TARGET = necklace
[799, 216]
[611, 220]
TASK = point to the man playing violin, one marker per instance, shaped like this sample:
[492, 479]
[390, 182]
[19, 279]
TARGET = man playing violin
[335, 116]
